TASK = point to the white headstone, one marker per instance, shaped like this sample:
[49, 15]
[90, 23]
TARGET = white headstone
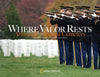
[51, 49]
[33, 47]
[45, 48]
[28, 48]
[56, 48]
[11, 45]
[38, 45]
[17, 48]
[24, 47]
[5, 47]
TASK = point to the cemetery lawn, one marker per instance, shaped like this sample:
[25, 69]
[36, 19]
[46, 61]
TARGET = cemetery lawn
[30, 67]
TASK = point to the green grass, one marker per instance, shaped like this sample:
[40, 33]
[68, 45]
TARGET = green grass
[30, 67]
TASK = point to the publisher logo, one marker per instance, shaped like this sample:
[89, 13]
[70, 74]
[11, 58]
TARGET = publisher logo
[44, 71]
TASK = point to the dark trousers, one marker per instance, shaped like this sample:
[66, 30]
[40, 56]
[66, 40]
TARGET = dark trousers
[78, 54]
[96, 53]
[68, 46]
[86, 48]
[61, 51]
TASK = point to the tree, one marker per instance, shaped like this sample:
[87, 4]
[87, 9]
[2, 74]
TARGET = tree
[13, 18]
[4, 5]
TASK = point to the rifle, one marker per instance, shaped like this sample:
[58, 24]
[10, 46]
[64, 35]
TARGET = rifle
[84, 15]
[93, 14]
[78, 13]
[98, 14]
[59, 15]
[69, 15]
[49, 14]
[88, 12]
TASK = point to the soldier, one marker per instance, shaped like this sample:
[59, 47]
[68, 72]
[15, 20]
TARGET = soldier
[59, 22]
[86, 41]
[96, 38]
[68, 45]
[77, 52]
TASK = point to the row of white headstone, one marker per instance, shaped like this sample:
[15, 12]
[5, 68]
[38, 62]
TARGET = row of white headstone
[36, 47]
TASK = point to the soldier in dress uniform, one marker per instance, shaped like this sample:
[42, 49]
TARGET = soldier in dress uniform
[96, 39]
[77, 52]
[59, 22]
[86, 41]
[68, 45]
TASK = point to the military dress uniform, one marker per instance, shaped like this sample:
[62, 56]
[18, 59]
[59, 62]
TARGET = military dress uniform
[68, 39]
[77, 47]
[64, 42]
[60, 41]
[68, 44]
[60, 23]
[96, 40]
[96, 44]
[85, 44]
[77, 52]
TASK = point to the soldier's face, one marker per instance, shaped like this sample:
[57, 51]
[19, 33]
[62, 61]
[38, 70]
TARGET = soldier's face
[85, 10]
[69, 12]
[62, 11]
[98, 11]
[78, 11]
